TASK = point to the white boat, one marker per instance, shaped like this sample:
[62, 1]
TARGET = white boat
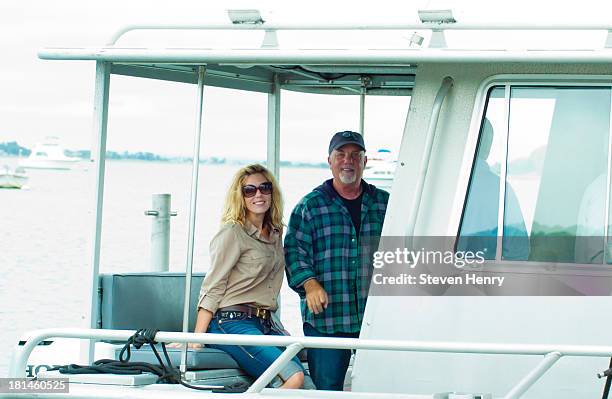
[380, 169]
[10, 178]
[49, 155]
[536, 120]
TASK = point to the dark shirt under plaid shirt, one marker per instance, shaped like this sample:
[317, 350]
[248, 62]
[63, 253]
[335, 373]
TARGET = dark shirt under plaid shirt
[321, 243]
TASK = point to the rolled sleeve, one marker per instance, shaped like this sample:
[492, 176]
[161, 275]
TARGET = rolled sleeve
[224, 253]
[298, 249]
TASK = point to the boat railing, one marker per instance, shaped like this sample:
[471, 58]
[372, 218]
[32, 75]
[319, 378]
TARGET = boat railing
[551, 353]
[366, 26]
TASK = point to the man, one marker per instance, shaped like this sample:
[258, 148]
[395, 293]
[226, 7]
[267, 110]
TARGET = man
[328, 255]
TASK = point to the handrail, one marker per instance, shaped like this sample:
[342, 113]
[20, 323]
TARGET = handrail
[357, 26]
[551, 352]
[446, 85]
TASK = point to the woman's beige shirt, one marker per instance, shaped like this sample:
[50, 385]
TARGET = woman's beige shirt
[246, 268]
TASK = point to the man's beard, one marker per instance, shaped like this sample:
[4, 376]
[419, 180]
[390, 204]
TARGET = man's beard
[348, 178]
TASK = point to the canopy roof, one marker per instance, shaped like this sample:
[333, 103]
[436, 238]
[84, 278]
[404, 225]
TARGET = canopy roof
[378, 70]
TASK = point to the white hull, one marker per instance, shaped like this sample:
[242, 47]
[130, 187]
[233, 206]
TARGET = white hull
[380, 174]
[58, 164]
[380, 182]
[11, 180]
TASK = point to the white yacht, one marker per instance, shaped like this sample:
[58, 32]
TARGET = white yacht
[503, 150]
[380, 169]
[49, 155]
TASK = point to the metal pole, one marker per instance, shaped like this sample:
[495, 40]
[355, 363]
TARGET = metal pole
[160, 231]
[534, 375]
[503, 176]
[273, 141]
[607, 243]
[192, 211]
[273, 144]
[362, 111]
[355, 25]
[275, 367]
[99, 157]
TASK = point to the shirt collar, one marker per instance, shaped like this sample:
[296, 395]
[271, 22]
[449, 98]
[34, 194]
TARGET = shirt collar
[252, 231]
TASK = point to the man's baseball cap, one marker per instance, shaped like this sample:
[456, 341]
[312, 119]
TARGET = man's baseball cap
[346, 137]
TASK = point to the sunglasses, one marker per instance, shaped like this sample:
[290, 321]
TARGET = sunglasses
[250, 190]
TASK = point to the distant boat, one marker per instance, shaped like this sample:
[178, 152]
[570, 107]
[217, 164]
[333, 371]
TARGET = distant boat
[49, 155]
[12, 178]
[380, 169]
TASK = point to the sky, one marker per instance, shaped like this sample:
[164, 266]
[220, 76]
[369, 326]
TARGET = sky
[41, 98]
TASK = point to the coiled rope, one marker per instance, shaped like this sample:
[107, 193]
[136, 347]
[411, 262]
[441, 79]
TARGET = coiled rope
[166, 372]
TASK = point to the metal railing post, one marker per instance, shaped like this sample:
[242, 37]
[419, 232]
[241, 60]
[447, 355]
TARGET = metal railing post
[98, 154]
[192, 209]
[160, 231]
[275, 367]
[534, 375]
[273, 138]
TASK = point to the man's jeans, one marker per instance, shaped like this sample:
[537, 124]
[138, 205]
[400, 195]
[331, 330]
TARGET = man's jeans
[328, 367]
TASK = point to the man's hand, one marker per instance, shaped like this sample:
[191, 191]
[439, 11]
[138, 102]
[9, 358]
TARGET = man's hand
[316, 297]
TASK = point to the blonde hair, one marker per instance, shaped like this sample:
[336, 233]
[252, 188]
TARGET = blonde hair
[234, 210]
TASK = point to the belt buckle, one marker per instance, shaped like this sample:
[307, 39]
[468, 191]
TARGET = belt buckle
[261, 313]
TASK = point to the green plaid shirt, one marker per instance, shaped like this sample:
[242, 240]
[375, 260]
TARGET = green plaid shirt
[321, 243]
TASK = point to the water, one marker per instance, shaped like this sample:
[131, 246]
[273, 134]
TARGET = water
[46, 232]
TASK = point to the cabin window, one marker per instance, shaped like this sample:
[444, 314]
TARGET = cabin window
[550, 146]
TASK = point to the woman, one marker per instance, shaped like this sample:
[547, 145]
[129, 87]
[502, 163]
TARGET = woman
[242, 285]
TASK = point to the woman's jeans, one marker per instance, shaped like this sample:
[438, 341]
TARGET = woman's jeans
[254, 360]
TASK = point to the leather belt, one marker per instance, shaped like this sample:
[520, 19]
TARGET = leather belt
[250, 311]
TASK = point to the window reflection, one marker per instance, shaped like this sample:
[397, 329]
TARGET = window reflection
[480, 218]
[557, 149]
[556, 176]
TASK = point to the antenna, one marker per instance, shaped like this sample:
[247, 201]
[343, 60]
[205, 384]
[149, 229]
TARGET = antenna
[437, 17]
[245, 17]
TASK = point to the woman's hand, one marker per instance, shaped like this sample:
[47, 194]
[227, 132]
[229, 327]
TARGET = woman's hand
[179, 345]
[202, 322]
